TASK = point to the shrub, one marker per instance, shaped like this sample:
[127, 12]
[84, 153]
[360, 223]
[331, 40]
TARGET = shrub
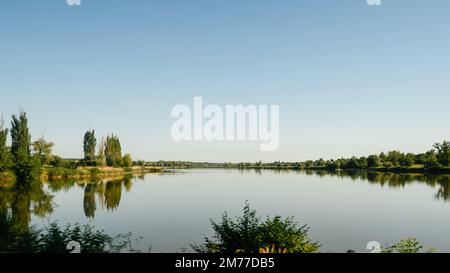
[71, 164]
[127, 162]
[56, 172]
[443, 153]
[94, 171]
[57, 161]
[54, 239]
[249, 234]
[408, 245]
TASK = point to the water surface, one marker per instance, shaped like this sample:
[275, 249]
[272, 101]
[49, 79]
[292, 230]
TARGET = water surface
[173, 210]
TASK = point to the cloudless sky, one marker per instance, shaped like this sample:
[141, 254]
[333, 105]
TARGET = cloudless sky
[350, 79]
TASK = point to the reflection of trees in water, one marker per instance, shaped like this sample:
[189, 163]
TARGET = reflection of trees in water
[128, 184]
[108, 193]
[141, 176]
[20, 209]
[59, 185]
[89, 202]
[113, 194]
[394, 180]
[17, 203]
[444, 186]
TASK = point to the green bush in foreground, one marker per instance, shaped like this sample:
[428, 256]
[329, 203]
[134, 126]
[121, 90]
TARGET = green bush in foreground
[54, 239]
[249, 234]
[408, 245]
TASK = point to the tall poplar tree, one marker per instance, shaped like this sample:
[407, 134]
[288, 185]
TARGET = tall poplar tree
[25, 166]
[90, 142]
[113, 151]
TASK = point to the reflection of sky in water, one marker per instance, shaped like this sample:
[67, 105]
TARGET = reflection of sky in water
[172, 211]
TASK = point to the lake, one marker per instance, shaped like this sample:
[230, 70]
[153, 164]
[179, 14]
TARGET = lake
[173, 210]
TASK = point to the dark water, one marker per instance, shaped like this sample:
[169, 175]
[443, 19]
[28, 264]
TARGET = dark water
[171, 211]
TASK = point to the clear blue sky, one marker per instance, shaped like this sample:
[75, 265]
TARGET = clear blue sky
[350, 79]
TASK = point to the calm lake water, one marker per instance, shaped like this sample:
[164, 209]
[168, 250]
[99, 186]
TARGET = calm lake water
[173, 210]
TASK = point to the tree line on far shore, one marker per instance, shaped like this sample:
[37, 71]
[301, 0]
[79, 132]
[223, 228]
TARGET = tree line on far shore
[437, 159]
[25, 158]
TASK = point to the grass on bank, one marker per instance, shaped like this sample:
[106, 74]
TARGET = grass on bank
[50, 173]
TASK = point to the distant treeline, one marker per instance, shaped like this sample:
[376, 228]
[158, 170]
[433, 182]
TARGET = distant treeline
[437, 159]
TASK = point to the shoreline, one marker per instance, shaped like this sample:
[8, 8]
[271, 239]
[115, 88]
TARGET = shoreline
[83, 173]
[399, 170]
[293, 167]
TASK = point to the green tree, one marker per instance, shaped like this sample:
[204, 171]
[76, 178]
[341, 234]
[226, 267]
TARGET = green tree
[333, 165]
[393, 157]
[407, 246]
[249, 234]
[407, 160]
[443, 153]
[362, 162]
[5, 157]
[113, 151]
[320, 163]
[43, 150]
[353, 163]
[101, 160]
[373, 161]
[421, 159]
[432, 160]
[89, 144]
[25, 166]
[141, 163]
[383, 157]
[57, 161]
[127, 161]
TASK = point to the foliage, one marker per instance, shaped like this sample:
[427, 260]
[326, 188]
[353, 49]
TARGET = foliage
[140, 163]
[127, 161]
[57, 161]
[89, 204]
[94, 172]
[113, 151]
[56, 172]
[25, 166]
[54, 239]
[89, 144]
[250, 234]
[273, 250]
[113, 194]
[433, 160]
[408, 245]
[443, 153]
[43, 150]
[407, 160]
[373, 161]
[101, 159]
[61, 173]
[5, 156]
